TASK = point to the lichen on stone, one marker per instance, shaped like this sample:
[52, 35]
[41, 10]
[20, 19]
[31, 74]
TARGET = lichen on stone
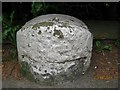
[43, 24]
[58, 33]
[63, 24]
[56, 19]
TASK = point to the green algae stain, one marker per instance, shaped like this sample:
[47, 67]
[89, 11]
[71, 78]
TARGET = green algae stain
[58, 33]
[25, 70]
[63, 25]
[43, 24]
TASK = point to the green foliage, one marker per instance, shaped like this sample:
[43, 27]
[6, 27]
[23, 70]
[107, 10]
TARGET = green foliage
[12, 16]
[0, 18]
[38, 7]
[108, 47]
[9, 30]
[9, 33]
[117, 42]
[100, 46]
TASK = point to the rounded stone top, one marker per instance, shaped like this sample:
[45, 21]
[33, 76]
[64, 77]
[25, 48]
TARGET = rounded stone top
[55, 45]
[57, 32]
[56, 18]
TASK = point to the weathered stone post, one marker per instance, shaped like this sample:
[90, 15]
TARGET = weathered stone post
[54, 48]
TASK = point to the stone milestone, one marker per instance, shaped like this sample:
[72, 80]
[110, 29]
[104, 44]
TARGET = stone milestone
[54, 48]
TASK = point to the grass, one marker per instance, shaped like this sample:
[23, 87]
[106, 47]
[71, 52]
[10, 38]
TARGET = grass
[101, 47]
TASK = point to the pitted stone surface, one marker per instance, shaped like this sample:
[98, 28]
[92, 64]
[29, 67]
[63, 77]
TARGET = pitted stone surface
[55, 47]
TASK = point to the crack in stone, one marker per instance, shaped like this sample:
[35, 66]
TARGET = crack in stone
[68, 60]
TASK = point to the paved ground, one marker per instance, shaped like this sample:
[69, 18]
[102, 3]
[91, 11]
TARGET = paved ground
[86, 81]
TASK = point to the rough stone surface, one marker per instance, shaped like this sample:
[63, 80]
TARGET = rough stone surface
[54, 48]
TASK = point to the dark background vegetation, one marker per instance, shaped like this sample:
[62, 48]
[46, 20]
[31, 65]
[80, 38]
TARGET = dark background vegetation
[83, 11]
[15, 14]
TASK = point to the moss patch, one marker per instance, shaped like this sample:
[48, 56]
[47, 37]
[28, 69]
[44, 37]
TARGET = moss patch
[43, 24]
[25, 70]
[58, 33]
